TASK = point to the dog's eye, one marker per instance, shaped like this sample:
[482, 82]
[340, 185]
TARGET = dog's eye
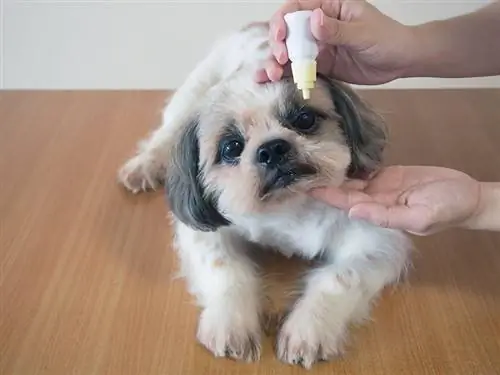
[304, 121]
[231, 150]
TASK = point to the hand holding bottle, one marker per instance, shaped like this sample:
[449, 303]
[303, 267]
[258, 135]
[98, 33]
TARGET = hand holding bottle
[357, 43]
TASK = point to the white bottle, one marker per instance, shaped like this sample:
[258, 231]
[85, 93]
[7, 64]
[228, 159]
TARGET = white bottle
[302, 50]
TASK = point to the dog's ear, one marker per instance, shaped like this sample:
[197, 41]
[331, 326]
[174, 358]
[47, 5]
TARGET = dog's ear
[364, 129]
[186, 196]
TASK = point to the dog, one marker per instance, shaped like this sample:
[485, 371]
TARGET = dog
[237, 160]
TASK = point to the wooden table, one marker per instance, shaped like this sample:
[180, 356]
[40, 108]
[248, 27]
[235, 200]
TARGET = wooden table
[86, 278]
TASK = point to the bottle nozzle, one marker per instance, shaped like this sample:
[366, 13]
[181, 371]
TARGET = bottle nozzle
[304, 76]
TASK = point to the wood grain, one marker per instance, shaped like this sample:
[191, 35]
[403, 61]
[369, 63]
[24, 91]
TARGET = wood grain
[86, 277]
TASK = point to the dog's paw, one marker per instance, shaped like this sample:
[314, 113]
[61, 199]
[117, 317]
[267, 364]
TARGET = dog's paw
[141, 173]
[230, 335]
[304, 340]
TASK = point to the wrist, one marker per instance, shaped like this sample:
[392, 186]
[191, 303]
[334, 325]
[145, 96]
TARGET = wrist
[424, 49]
[487, 214]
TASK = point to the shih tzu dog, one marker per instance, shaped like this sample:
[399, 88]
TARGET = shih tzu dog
[237, 160]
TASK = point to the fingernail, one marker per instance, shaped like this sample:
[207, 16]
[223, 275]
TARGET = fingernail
[321, 17]
[279, 31]
[318, 16]
[273, 74]
[281, 54]
[282, 57]
[277, 34]
[261, 76]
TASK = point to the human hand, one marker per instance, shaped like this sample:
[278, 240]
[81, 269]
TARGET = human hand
[420, 200]
[358, 44]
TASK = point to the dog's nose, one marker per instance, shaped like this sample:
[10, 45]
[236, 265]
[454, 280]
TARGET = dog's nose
[273, 152]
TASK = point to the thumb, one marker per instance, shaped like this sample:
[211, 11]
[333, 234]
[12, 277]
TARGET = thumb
[332, 31]
[415, 220]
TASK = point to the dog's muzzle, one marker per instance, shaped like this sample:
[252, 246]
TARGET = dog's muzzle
[279, 167]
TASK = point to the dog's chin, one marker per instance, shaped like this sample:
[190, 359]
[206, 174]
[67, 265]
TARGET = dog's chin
[286, 179]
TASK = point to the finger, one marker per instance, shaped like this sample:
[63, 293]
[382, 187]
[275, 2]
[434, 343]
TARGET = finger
[279, 51]
[261, 76]
[343, 199]
[277, 34]
[412, 219]
[332, 31]
[274, 70]
[386, 197]
[277, 25]
[314, 4]
[278, 28]
[355, 184]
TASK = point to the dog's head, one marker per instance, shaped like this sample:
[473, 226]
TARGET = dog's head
[254, 147]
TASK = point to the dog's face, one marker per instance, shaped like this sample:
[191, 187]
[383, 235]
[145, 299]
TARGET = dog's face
[254, 147]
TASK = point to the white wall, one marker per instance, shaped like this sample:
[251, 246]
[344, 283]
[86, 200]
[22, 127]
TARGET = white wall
[134, 44]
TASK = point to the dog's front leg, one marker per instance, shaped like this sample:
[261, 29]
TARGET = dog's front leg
[226, 286]
[338, 293]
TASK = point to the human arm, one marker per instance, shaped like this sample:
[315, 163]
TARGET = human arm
[464, 46]
[419, 199]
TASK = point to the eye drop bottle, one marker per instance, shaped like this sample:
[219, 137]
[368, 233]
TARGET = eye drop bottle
[302, 50]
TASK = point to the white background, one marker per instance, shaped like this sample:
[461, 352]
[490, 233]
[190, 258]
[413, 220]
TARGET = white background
[134, 44]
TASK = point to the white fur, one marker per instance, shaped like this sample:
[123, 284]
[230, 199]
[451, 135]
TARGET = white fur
[229, 55]
[359, 259]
